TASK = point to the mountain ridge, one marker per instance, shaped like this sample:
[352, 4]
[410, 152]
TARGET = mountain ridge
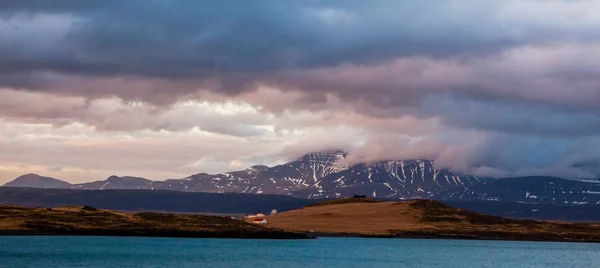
[315, 175]
[327, 175]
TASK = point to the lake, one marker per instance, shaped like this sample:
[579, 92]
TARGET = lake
[80, 251]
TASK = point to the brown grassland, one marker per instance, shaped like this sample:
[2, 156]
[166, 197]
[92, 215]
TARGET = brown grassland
[422, 219]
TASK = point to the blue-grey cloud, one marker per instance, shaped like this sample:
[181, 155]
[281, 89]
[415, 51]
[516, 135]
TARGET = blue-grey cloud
[191, 39]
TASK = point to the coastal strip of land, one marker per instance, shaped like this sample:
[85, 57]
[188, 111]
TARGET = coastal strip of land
[363, 217]
[350, 217]
[16, 220]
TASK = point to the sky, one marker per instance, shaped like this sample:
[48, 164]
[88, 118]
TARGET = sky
[165, 89]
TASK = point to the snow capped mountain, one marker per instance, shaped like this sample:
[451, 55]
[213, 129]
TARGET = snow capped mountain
[326, 175]
[389, 179]
[283, 179]
[314, 175]
[532, 190]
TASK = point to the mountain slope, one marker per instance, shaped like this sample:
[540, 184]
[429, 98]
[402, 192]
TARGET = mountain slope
[283, 179]
[115, 182]
[325, 175]
[37, 181]
[389, 179]
[534, 190]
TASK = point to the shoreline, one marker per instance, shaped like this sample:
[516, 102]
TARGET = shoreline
[308, 236]
[170, 234]
[450, 237]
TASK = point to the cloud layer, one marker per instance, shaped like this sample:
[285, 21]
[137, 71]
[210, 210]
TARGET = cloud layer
[500, 88]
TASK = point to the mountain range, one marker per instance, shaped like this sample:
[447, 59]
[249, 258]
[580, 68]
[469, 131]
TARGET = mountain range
[324, 175]
[313, 176]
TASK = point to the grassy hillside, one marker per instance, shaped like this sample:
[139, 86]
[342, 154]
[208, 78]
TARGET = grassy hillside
[423, 218]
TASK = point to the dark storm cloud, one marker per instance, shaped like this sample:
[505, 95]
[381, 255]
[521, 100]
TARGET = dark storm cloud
[191, 39]
[99, 48]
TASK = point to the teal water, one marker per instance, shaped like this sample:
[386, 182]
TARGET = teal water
[67, 251]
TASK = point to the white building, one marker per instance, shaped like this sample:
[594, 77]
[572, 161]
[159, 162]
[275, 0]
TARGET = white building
[260, 221]
[273, 212]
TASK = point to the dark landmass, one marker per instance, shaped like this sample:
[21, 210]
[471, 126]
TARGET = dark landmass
[530, 190]
[151, 200]
[424, 219]
[239, 204]
[87, 220]
[532, 211]
[361, 199]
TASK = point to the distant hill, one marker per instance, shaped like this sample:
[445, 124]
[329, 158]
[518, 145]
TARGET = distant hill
[37, 181]
[519, 210]
[115, 182]
[531, 190]
[112, 182]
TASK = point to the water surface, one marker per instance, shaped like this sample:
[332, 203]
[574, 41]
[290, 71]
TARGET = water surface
[71, 251]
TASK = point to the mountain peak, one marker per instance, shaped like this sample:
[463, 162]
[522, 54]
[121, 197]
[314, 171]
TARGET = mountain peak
[113, 177]
[258, 168]
[327, 156]
[33, 180]
[410, 162]
[116, 182]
